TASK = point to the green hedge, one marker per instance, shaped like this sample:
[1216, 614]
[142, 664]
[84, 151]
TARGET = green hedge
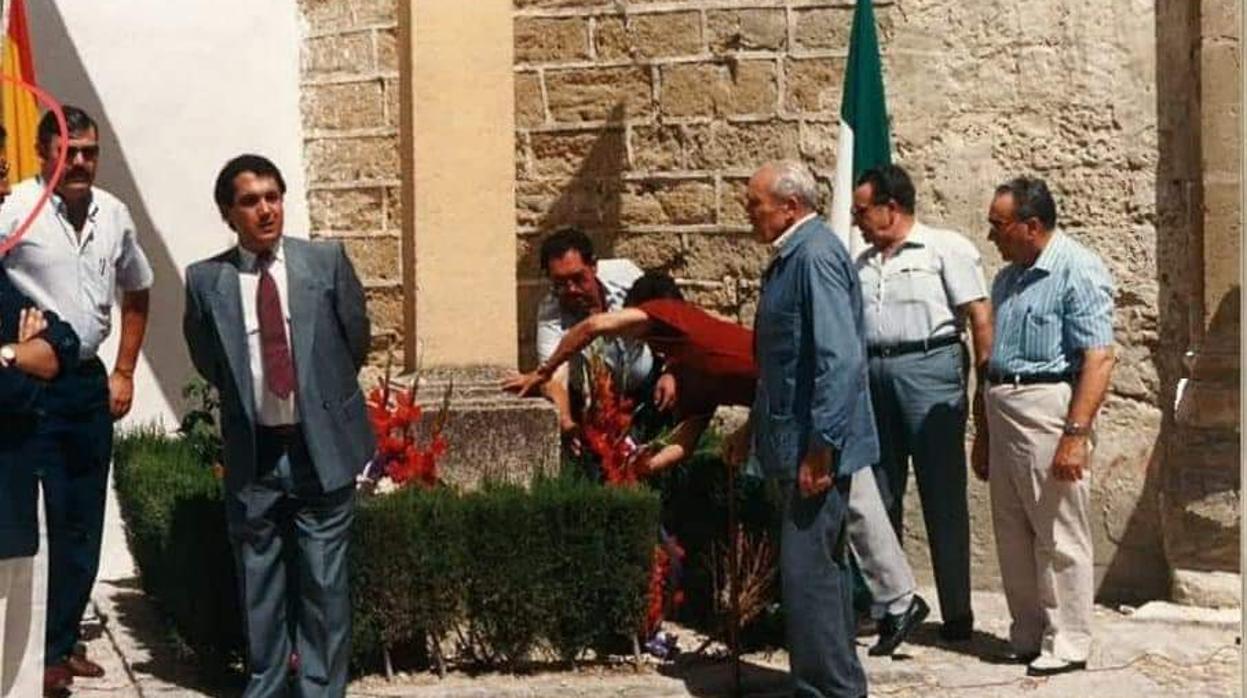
[561, 566]
[175, 525]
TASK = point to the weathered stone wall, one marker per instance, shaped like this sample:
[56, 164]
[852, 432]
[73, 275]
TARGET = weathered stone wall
[640, 122]
[350, 104]
[1202, 485]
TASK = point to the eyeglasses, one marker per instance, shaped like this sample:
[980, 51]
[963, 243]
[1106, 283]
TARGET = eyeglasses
[574, 281]
[859, 211]
[999, 226]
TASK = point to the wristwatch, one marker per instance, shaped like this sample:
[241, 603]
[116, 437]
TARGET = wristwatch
[1075, 429]
[8, 355]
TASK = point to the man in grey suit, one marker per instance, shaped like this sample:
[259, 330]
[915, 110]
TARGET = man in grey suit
[295, 427]
[811, 420]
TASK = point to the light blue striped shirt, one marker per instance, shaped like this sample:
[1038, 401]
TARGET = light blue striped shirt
[1048, 314]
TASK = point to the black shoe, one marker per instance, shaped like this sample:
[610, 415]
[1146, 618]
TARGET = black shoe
[1051, 666]
[958, 630]
[894, 629]
[1012, 658]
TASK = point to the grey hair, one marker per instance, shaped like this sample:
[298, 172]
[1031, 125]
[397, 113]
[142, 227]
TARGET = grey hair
[793, 178]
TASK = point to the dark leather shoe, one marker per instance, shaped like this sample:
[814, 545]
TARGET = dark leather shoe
[957, 630]
[894, 629]
[57, 680]
[81, 666]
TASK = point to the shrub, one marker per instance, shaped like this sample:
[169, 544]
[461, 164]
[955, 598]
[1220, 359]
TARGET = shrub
[175, 525]
[564, 564]
[597, 547]
[505, 594]
[407, 569]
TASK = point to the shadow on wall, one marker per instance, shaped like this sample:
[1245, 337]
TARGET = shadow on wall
[590, 200]
[68, 80]
[1201, 500]
[1139, 570]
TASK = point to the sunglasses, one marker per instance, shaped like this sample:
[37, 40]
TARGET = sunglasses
[88, 152]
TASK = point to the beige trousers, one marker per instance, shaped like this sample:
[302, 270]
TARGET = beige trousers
[1043, 529]
[23, 608]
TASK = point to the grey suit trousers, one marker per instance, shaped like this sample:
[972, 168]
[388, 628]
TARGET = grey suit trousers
[920, 413]
[817, 594]
[290, 543]
[879, 555]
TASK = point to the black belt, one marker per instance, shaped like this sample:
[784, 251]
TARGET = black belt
[282, 433]
[913, 347]
[1002, 378]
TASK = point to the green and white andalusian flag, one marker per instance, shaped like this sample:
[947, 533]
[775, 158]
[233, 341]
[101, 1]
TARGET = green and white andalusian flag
[864, 141]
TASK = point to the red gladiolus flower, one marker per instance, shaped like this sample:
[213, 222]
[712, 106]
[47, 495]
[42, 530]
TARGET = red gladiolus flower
[395, 417]
[438, 447]
[607, 425]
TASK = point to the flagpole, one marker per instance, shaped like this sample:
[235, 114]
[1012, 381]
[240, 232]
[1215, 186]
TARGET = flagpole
[842, 190]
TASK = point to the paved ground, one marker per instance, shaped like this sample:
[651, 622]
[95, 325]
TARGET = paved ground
[1157, 650]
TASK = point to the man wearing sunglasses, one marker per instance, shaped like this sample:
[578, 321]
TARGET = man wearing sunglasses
[79, 253]
[1050, 368]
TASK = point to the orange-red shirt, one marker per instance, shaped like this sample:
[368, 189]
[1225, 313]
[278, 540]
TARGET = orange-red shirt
[712, 359]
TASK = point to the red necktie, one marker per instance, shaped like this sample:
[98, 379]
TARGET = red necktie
[274, 349]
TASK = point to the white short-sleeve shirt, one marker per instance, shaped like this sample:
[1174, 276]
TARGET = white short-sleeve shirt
[914, 294]
[76, 275]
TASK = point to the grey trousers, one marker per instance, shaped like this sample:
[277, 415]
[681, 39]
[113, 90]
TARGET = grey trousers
[920, 413]
[290, 539]
[879, 555]
[816, 585]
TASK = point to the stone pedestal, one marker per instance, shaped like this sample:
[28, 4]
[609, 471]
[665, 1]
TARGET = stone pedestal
[493, 437]
[1202, 484]
[459, 254]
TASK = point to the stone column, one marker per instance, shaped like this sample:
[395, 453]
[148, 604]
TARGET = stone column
[459, 255]
[1202, 486]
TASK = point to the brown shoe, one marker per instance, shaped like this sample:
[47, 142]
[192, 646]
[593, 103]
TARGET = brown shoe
[81, 666]
[56, 681]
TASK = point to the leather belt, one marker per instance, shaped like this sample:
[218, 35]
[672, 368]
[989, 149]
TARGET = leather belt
[283, 433]
[1002, 378]
[921, 345]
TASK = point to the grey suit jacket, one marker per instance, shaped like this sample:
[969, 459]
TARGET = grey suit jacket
[329, 341]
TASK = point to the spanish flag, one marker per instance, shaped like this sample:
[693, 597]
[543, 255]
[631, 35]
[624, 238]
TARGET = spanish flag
[21, 110]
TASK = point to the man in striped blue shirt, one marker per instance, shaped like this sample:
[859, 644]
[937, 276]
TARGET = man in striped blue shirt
[1051, 361]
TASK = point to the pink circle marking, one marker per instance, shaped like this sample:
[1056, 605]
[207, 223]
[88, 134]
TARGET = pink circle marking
[61, 155]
